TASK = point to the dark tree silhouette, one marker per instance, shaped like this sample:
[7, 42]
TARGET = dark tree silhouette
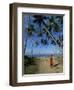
[48, 26]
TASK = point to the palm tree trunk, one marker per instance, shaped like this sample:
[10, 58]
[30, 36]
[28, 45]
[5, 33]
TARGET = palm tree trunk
[55, 40]
[25, 47]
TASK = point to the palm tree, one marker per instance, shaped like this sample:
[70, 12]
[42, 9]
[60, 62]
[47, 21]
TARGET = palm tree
[56, 28]
[40, 19]
[29, 33]
[51, 27]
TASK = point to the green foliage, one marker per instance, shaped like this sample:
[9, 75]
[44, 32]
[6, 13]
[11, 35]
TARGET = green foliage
[28, 60]
[40, 34]
[52, 42]
[44, 41]
[54, 24]
[60, 20]
[48, 29]
[39, 18]
[31, 30]
[30, 33]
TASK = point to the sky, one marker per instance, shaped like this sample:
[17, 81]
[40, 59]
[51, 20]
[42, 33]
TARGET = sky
[31, 48]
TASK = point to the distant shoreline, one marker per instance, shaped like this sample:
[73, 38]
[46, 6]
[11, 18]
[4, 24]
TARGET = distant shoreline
[43, 55]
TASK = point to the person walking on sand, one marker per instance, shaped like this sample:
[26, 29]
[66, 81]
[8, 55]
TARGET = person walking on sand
[51, 60]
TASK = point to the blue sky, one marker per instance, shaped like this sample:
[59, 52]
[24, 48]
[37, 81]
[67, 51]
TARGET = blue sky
[31, 49]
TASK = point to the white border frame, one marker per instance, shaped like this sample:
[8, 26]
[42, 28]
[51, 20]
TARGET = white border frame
[42, 77]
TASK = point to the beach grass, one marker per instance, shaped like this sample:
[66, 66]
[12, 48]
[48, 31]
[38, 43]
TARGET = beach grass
[38, 65]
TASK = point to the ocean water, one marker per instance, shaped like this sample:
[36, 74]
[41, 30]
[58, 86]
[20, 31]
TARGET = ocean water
[43, 55]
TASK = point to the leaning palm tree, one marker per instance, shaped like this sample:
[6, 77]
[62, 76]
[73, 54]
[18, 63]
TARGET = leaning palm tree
[49, 28]
[40, 20]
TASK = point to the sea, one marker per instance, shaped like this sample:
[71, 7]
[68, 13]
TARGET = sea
[43, 55]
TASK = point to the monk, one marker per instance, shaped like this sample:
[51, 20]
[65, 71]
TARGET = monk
[51, 60]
